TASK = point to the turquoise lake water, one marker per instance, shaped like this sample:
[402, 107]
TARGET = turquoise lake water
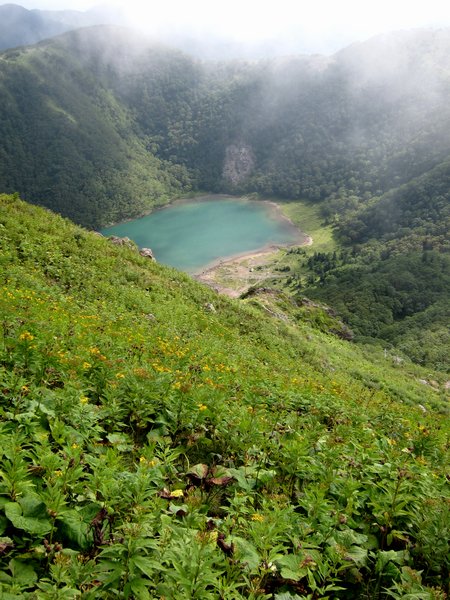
[191, 234]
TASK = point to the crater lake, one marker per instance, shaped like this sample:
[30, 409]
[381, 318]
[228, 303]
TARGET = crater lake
[194, 234]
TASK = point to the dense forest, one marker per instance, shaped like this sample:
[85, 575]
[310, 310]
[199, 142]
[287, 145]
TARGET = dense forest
[125, 124]
[392, 278]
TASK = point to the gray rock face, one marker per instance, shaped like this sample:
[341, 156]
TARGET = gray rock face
[239, 163]
[147, 253]
[125, 241]
[121, 241]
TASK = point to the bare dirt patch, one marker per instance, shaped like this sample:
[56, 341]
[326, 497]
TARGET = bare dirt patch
[237, 275]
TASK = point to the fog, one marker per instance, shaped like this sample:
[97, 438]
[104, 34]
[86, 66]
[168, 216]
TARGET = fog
[264, 28]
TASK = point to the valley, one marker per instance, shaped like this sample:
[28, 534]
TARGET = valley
[284, 439]
[129, 126]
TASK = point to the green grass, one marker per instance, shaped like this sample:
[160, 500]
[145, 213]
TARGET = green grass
[153, 445]
[290, 262]
[308, 218]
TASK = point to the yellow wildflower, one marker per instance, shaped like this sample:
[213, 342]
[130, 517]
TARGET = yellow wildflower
[202, 407]
[26, 335]
[84, 399]
[176, 494]
[86, 365]
[120, 376]
[257, 517]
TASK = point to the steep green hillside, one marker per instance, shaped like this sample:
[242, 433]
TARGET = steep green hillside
[158, 440]
[69, 144]
[390, 278]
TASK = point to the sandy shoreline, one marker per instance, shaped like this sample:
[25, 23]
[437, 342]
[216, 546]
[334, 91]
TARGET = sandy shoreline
[233, 276]
[302, 239]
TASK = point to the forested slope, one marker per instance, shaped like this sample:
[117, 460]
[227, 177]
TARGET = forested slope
[68, 143]
[100, 118]
[392, 278]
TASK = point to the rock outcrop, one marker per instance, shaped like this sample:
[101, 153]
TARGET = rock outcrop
[121, 241]
[125, 241]
[239, 163]
[147, 253]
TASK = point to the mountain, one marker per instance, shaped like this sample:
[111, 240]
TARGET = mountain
[339, 130]
[20, 26]
[200, 41]
[95, 167]
[101, 125]
[160, 440]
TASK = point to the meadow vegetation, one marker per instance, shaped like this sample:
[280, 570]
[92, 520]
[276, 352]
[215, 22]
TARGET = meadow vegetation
[160, 441]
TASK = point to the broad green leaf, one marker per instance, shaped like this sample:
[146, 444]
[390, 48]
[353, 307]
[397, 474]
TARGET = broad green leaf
[74, 529]
[199, 471]
[357, 555]
[29, 514]
[8, 596]
[290, 567]
[348, 537]
[246, 553]
[384, 557]
[120, 441]
[22, 572]
[137, 588]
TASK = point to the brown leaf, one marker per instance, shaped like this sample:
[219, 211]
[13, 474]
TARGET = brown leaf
[5, 544]
[164, 494]
[228, 549]
[198, 472]
[222, 481]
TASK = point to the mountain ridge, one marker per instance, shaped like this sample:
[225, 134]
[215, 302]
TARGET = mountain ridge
[333, 121]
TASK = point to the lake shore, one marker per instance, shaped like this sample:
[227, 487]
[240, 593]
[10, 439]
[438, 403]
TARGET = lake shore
[209, 272]
[300, 239]
[233, 276]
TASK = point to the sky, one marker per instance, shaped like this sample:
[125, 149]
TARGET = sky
[323, 25]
